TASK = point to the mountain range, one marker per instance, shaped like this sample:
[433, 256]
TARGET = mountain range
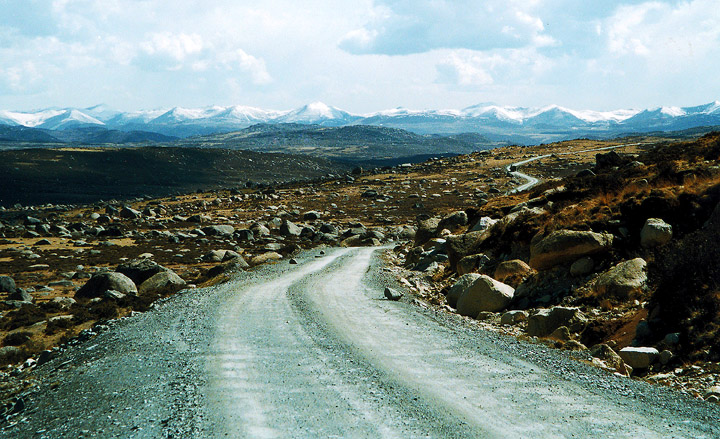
[495, 122]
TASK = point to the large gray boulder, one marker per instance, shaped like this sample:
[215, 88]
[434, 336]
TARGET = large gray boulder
[459, 246]
[544, 322]
[166, 282]
[452, 221]
[7, 285]
[459, 287]
[484, 294]
[470, 263]
[655, 233]
[639, 357]
[623, 280]
[566, 246]
[288, 228]
[99, 283]
[514, 268]
[140, 270]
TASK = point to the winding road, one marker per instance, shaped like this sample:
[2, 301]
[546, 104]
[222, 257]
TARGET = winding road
[314, 350]
[531, 181]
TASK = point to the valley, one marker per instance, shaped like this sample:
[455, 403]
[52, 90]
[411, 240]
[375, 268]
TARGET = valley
[438, 223]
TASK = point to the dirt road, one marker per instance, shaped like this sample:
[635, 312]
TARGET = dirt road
[314, 350]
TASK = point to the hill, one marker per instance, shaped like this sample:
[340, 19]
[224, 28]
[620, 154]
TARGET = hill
[71, 175]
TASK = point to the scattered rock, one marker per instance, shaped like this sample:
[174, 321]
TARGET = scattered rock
[610, 357]
[218, 230]
[565, 246]
[665, 357]
[468, 264]
[392, 294]
[102, 282]
[544, 321]
[20, 295]
[623, 280]
[639, 357]
[452, 221]
[655, 233]
[459, 287]
[515, 269]
[484, 294]
[165, 282]
[139, 270]
[7, 284]
[311, 215]
[233, 265]
[513, 317]
[288, 228]
[265, 257]
[459, 246]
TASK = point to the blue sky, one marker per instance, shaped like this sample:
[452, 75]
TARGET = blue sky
[359, 55]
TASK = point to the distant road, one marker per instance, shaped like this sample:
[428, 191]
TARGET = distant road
[314, 350]
[531, 181]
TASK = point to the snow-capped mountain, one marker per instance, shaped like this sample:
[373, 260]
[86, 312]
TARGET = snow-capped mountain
[518, 124]
[317, 113]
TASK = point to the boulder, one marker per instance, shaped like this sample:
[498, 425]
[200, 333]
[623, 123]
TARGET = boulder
[484, 294]
[623, 280]
[459, 287]
[166, 282]
[582, 267]
[218, 230]
[233, 265]
[639, 357]
[513, 317]
[311, 215]
[392, 294]
[101, 282]
[470, 263]
[244, 235]
[288, 228]
[512, 269]
[610, 358]
[483, 224]
[129, 213]
[20, 295]
[7, 284]
[140, 270]
[565, 246]
[655, 233]
[63, 302]
[426, 230]
[544, 322]
[265, 257]
[459, 246]
[452, 221]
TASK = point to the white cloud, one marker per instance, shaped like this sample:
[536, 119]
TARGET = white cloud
[465, 70]
[247, 63]
[416, 26]
[665, 33]
[176, 47]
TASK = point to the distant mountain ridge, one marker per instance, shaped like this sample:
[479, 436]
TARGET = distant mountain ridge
[498, 123]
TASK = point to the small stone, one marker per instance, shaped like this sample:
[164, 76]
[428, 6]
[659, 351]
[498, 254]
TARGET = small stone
[293, 261]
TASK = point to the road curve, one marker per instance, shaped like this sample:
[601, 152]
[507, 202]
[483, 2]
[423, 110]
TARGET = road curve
[531, 181]
[313, 350]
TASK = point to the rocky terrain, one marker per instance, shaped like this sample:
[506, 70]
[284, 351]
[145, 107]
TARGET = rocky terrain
[612, 253]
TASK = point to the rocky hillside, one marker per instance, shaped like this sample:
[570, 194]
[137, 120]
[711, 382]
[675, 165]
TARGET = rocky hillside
[613, 252]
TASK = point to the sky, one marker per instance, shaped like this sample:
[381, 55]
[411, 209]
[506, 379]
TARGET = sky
[358, 55]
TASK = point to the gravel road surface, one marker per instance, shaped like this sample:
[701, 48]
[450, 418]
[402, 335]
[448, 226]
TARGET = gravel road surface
[314, 350]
